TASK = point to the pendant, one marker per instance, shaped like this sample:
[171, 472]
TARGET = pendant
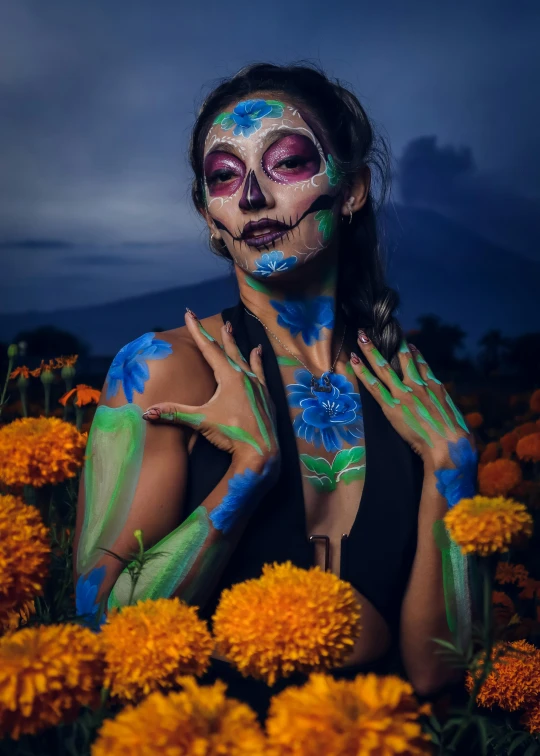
[326, 386]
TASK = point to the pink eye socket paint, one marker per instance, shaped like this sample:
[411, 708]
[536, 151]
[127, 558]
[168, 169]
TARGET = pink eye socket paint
[291, 159]
[224, 173]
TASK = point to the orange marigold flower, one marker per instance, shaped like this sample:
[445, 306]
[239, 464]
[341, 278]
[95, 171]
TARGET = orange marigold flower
[484, 526]
[499, 477]
[508, 443]
[314, 628]
[500, 598]
[369, 715]
[531, 589]
[22, 370]
[35, 451]
[515, 678]
[199, 720]
[150, 645]
[511, 573]
[47, 674]
[490, 453]
[16, 618]
[528, 448]
[531, 719]
[84, 395]
[24, 553]
[474, 419]
[534, 401]
[504, 608]
[70, 361]
[526, 429]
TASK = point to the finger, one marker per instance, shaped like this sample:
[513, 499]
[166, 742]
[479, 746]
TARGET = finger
[209, 347]
[375, 387]
[234, 356]
[381, 367]
[255, 362]
[411, 374]
[436, 391]
[423, 367]
[175, 414]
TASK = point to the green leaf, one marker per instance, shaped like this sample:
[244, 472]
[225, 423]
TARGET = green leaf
[482, 732]
[276, 102]
[239, 434]
[288, 361]
[325, 219]
[318, 465]
[257, 285]
[321, 484]
[519, 740]
[348, 457]
[352, 473]
[220, 118]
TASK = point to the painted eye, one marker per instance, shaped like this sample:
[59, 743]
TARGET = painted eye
[223, 172]
[292, 158]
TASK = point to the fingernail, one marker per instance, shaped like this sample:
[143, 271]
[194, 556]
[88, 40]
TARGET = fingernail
[191, 314]
[152, 414]
[355, 359]
[413, 348]
[259, 350]
[228, 327]
[363, 337]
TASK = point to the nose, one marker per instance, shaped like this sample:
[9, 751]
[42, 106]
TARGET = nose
[252, 197]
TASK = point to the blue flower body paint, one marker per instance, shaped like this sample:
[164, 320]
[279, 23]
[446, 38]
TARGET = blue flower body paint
[241, 488]
[459, 482]
[307, 317]
[129, 368]
[86, 592]
[273, 262]
[331, 410]
[247, 116]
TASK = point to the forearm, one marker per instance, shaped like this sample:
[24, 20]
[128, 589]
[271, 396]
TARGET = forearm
[423, 615]
[189, 561]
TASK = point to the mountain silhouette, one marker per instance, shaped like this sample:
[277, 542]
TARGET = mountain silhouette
[437, 265]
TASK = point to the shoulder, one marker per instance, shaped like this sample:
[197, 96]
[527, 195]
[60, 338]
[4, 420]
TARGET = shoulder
[161, 366]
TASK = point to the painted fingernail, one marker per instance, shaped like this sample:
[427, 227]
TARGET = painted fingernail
[228, 326]
[152, 414]
[191, 314]
[355, 359]
[259, 350]
[363, 337]
[413, 348]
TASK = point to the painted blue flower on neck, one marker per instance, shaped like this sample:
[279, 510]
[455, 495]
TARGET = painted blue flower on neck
[129, 368]
[459, 482]
[306, 316]
[331, 410]
[243, 489]
[273, 262]
[247, 115]
[86, 592]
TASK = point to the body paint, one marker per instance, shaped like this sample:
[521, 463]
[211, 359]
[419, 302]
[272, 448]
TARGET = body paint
[86, 591]
[243, 492]
[426, 415]
[213, 559]
[457, 414]
[458, 482]
[172, 559]
[429, 372]
[273, 262]
[129, 368]
[325, 219]
[239, 434]
[307, 317]
[347, 465]
[288, 361]
[247, 115]
[335, 174]
[193, 418]
[253, 404]
[114, 457]
[413, 423]
[441, 409]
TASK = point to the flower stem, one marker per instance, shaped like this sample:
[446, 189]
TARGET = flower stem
[24, 405]
[9, 369]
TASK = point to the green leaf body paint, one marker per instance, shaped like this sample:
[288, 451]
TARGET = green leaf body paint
[233, 364]
[111, 473]
[455, 583]
[442, 540]
[333, 172]
[348, 457]
[257, 285]
[403, 348]
[354, 473]
[195, 418]
[413, 374]
[344, 468]
[441, 409]
[239, 434]
[413, 423]
[220, 118]
[396, 380]
[349, 369]
[459, 417]
[430, 375]
[426, 415]
[176, 554]
[379, 359]
[368, 375]
[288, 361]
[267, 410]
[325, 219]
[387, 396]
[213, 559]
[255, 410]
[204, 332]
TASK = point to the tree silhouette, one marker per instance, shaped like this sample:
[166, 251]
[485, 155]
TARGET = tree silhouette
[491, 353]
[438, 342]
[522, 356]
[47, 342]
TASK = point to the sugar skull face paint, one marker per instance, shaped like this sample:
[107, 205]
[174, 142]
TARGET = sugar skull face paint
[271, 188]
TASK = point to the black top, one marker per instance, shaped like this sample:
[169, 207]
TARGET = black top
[379, 552]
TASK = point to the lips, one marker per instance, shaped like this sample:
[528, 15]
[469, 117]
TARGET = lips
[263, 232]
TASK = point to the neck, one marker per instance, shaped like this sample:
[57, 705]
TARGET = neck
[300, 312]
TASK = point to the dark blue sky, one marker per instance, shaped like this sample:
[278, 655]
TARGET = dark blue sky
[98, 97]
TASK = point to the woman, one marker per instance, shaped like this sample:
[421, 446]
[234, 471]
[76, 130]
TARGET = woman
[298, 424]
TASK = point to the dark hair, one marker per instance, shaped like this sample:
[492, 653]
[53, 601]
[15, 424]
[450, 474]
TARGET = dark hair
[362, 291]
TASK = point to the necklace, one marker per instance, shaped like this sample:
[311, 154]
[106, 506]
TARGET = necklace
[327, 386]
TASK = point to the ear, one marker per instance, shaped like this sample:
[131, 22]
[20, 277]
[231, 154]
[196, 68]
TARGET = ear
[210, 221]
[357, 193]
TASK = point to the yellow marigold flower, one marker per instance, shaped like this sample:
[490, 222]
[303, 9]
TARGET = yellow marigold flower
[507, 572]
[499, 477]
[508, 443]
[24, 553]
[84, 395]
[514, 680]
[46, 674]
[199, 720]
[16, 618]
[369, 715]
[288, 620]
[474, 419]
[149, 646]
[484, 526]
[531, 719]
[528, 447]
[35, 451]
[490, 453]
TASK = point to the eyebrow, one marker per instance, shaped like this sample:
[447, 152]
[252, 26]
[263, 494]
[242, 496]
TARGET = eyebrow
[221, 146]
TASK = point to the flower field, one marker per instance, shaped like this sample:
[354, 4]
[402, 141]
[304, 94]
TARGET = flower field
[74, 682]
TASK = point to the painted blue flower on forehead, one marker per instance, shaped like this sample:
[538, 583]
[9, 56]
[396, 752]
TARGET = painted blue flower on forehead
[247, 115]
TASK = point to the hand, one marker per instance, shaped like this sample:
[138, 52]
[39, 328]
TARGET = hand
[419, 407]
[239, 418]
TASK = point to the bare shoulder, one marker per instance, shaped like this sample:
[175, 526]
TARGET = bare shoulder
[160, 367]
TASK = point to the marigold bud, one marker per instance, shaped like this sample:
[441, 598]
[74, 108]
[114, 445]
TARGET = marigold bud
[12, 351]
[67, 372]
[46, 377]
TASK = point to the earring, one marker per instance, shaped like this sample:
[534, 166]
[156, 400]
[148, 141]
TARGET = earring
[350, 214]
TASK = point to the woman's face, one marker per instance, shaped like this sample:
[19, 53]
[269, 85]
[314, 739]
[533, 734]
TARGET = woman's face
[272, 189]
